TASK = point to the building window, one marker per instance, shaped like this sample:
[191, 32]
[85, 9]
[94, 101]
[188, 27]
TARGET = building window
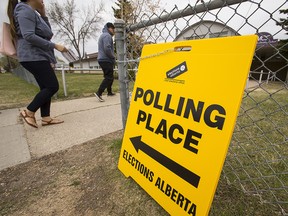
[195, 37]
[218, 34]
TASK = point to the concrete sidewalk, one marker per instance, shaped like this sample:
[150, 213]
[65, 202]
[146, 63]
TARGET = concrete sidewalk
[13, 143]
[85, 119]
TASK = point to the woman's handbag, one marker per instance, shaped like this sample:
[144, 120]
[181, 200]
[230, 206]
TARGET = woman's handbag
[7, 46]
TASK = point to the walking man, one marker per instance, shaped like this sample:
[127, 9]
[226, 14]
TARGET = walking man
[106, 59]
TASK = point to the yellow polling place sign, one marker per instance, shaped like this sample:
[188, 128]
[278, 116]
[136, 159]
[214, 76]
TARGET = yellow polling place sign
[182, 114]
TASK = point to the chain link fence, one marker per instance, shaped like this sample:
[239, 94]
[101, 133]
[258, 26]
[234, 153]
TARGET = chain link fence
[24, 74]
[258, 155]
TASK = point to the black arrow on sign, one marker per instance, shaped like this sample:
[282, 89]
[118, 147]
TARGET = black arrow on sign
[176, 168]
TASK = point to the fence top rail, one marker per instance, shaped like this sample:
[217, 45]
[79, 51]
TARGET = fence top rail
[188, 11]
[79, 69]
[76, 69]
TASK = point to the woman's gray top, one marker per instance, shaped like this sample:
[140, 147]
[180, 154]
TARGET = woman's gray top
[33, 35]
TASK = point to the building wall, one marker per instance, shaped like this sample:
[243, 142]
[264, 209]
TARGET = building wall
[91, 64]
[206, 29]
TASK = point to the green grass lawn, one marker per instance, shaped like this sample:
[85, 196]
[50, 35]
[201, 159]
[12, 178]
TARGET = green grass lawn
[15, 92]
[257, 159]
[81, 85]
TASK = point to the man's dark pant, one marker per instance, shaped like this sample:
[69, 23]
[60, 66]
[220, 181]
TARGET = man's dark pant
[108, 71]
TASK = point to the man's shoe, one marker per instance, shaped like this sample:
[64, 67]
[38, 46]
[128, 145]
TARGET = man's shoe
[111, 94]
[98, 97]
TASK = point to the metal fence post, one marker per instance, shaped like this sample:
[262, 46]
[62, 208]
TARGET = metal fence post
[64, 81]
[261, 75]
[122, 72]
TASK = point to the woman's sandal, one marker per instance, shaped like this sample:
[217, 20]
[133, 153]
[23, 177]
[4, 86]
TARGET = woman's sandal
[51, 122]
[30, 120]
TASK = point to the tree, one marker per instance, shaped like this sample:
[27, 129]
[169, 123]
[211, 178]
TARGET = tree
[124, 11]
[283, 44]
[74, 25]
[131, 11]
[148, 7]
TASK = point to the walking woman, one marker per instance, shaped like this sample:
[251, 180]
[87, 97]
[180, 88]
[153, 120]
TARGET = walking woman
[35, 52]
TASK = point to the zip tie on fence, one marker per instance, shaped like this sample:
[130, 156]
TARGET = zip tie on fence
[147, 57]
[129, 61]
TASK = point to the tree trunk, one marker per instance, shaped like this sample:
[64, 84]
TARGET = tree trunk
[81, 66]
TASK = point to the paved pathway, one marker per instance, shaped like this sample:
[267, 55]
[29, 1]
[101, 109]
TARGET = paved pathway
[13, 144]
[85, 119]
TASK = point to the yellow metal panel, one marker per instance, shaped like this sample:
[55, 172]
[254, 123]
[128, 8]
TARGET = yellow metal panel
[183, 110]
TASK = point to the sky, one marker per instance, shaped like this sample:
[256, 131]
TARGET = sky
[257, 18]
